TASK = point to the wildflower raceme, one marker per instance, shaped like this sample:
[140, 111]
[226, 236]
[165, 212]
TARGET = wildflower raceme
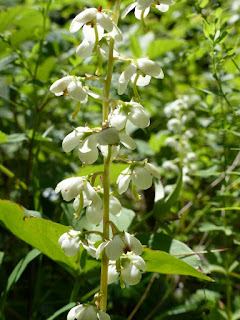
[95, 200]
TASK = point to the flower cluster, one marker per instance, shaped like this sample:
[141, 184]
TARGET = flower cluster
[181, 117]
[122, 250]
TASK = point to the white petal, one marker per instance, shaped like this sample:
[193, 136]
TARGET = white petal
[75, 312]
[131, 274]
[118, 119]
[96, 95]
[128, 73]
[152, 170]
[116, 33]
[123, 180]
[162, 7]
[94, 214]
[114, 249]
[139, 117]
[141, 178]
[90, 249]
[76, 91]
[127, 141]
[75, 26]
[70, 187]
[112, 274]
[115, 206]
[72, 140]
[60, 85]
[103, 315]
[69, 244]
[138, 13]
[150, 68]
[133, 243]
[128, 9]
[122, 86]
[125, 77]
[100, 248]
[90, 314]
[142, 81]
[89, 143]
[82, 18]
[138, 262]
[85, 49]
[144, 4]
[104, 21]
[88, 157]
[114, 151]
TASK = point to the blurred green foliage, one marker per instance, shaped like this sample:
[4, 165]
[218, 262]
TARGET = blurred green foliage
[196, 43]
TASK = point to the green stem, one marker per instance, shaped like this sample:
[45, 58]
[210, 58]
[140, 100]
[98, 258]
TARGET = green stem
[107, 162]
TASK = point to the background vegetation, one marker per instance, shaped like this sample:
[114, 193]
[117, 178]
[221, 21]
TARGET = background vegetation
[196, 43]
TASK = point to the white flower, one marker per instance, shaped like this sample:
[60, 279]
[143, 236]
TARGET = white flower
[94, 17]
[132, 111]
[70, 187]
[172, 142]
[70, 243]
[88, 142]
[131, 266]
[147, 69]
[73, 86]
[121, 243]
[144, 5]
[87, 312]
[168, 165]
[141, 177]
[93, 203]
[174, 125]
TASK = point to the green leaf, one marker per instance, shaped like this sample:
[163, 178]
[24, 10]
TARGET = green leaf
[163, 206]
[208, 226]
[161, 46]
[203, 3]
[20, 267]
[3, 137]
[116, 169]
[16, 137]
[1, 257]
[162, 262]
[135, 47]
[39, 233]
[63, 309]
[161, 241]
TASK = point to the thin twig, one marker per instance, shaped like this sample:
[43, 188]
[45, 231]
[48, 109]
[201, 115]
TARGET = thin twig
[144, 296]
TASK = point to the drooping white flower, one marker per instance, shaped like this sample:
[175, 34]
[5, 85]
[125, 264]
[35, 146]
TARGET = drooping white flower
[141, 176]
[121, 243]
[131, 266]
[95, 17]
[89, 141]
[70, 243]
[144, 5]
[132, 111]
[93, 203]
[87, 312]
[144, 69]
[70, 187]
[73, 86]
